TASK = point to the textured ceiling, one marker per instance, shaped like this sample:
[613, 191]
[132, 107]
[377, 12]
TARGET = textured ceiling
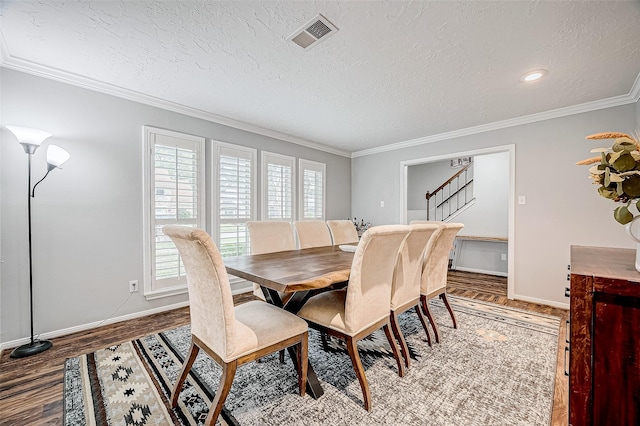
[394, 72]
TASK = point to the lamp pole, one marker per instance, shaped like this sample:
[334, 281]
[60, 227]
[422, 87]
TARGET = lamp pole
[30, 139]
[35, 346]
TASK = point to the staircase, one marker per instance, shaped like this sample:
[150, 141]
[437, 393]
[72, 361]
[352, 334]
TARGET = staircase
[452, 197]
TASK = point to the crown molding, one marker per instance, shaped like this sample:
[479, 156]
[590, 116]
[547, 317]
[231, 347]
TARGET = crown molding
[635, 89]
[632, 97]
[17, 64]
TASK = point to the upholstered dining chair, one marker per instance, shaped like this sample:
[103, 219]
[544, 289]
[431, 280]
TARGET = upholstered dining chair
[312, 233]
[269, 237]
[405, 287]
[363, 307]
[230, 336]
[434, 273]
[342, 231]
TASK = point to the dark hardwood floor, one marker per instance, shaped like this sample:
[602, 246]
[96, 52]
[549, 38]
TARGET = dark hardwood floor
[31, 388]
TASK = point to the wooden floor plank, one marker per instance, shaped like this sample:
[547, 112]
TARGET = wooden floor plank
[31, 388]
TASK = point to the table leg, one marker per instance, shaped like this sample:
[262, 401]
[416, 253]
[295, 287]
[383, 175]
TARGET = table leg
[314, 388]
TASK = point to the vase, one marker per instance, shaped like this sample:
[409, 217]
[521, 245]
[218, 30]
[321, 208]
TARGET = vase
[634, 232]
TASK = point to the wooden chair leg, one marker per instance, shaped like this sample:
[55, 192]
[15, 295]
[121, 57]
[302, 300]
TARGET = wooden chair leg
[281, 356]
[186, 367]
[424, 323]
[228, 372]
[394, 348]
[302, 350]
[427, 312]
[443, 296]
[395, 327]
[352, 348]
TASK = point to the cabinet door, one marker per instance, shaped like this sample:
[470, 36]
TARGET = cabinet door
[616, 360]
[580, 351]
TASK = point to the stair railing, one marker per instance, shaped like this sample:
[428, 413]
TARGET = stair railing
[451, 191]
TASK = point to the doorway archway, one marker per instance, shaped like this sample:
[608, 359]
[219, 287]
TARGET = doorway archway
[510, 149]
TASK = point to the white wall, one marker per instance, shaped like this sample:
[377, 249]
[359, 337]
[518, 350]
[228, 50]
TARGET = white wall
[87, 218]
[562, 207]
[423, 178]
[489, 216]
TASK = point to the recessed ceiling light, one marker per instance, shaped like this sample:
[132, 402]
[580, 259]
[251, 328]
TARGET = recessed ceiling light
[533, 76]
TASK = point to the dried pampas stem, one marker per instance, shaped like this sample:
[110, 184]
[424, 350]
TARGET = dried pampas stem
[609, 135]
[588, 161]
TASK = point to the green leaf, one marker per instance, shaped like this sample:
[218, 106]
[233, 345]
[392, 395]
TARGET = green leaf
[623, 144]
[608, 193]
[631, 187]
[622, 215]
[614, 156]
[624, 162]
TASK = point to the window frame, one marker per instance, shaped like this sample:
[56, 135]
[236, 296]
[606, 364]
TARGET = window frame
[264, 196]
[317, 167]
[150, 291]
[218, 147]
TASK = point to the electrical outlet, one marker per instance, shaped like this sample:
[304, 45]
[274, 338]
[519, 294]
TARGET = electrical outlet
[133, 286]
[503, 256]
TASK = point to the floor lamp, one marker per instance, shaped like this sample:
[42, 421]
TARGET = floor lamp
[30, 139]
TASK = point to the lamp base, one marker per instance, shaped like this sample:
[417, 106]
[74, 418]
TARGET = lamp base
[31, 349]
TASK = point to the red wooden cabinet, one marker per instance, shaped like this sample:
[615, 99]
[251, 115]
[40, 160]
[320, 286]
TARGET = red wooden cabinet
[604, 362]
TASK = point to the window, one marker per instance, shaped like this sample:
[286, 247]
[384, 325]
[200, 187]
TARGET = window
[235, 172]
[277, 186]
[312, 190]
[174, 194]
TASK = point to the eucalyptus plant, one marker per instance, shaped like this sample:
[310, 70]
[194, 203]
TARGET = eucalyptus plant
[617, 172]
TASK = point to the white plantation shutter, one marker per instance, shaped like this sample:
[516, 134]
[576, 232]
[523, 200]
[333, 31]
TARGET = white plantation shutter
[176, 197]
[277, 186]
[236, 186]
[312, 190]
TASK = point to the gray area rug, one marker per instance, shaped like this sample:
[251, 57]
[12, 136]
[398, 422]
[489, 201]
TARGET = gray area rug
[497, 368]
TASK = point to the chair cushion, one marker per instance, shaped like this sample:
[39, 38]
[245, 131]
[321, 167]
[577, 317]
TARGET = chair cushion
[326, 309]
[259, 325]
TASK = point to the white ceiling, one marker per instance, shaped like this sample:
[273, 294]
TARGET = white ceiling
[394, 72]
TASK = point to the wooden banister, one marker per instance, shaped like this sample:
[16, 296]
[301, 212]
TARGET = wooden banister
[451, 179]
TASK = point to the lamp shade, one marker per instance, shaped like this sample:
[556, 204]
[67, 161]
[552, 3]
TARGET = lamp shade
[56, 156]
[28, 136]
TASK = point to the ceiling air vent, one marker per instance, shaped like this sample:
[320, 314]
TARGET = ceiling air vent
[313, 32]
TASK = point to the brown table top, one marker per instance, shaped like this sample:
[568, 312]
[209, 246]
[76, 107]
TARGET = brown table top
[294, 270]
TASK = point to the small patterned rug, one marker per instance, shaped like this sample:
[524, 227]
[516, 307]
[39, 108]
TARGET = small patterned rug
[497, 368]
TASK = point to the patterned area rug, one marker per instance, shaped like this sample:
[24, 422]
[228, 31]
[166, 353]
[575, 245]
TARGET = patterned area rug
[497, 368]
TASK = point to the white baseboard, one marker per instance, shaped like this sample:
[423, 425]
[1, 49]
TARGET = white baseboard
[541, 301]
[481, 271]
[89, 326]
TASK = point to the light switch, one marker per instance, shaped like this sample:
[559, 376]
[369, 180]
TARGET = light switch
[521, 200]
[381, 203]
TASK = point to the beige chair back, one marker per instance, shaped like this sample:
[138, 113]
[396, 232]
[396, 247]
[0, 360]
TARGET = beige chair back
[210, 301]
[270, 237]
[312, 233]
[436, 263]
[408, 272]
[342, 231]
[369, 291]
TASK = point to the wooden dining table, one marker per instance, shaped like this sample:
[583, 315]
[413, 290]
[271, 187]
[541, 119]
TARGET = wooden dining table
[298, 275]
